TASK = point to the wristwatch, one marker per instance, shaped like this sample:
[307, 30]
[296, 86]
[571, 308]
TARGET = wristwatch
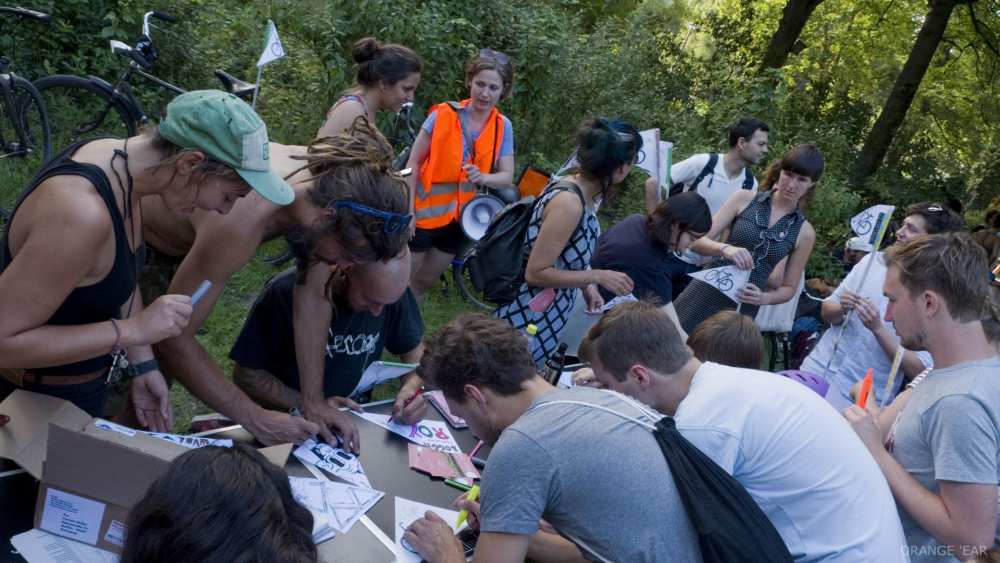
[142, 368]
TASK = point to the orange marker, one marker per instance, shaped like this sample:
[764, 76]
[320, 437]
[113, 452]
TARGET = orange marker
[866, 388]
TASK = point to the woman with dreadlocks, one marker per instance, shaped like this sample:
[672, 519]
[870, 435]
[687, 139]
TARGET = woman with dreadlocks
[563, 232]
[349, 208]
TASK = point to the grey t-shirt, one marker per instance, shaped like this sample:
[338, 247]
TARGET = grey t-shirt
[948, 431]
[600, 480]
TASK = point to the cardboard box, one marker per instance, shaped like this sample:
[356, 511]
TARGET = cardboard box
[90, 476]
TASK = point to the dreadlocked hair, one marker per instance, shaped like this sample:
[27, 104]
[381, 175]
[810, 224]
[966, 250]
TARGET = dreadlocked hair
[355, 165]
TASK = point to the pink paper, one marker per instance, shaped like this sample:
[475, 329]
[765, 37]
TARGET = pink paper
[440, 464]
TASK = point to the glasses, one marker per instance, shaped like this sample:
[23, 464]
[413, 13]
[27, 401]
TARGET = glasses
[394, 222]
[935, 208]
[495, 55]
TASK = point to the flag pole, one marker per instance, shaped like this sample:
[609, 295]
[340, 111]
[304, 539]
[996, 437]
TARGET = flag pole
[884, 220]
[260, 71]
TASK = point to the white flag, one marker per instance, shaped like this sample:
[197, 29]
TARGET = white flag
[649, 155]
[272, 46]
[666, 160]
[866, 224]
[727, 279]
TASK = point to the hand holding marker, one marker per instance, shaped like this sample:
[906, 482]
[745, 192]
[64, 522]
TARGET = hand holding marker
[472, 495]
[200, 292]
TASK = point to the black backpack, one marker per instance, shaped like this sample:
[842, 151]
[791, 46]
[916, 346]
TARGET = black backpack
[497, 261]
[713, 159]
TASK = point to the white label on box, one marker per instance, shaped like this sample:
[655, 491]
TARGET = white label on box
[108, 425]
[72, 516]
[116, 533]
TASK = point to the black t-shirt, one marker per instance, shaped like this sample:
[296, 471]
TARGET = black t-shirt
[627, 247]
[356, 339]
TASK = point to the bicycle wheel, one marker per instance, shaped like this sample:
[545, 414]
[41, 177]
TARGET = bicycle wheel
[27, 141]
[78, 110]
[464, 284]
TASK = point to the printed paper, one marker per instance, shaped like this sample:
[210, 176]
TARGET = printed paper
[335, 507]
[190, 442]
[406, 512]
[115, 533]
[649, 154]
[440, 464]
[72, 516]
[727, 279]
[627, 298]
[113, 427]
[336, 461]
[37, 546]
[428, 433]
[666, 156]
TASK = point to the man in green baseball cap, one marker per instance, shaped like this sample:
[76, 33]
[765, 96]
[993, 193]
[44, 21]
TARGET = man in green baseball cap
[227, 129]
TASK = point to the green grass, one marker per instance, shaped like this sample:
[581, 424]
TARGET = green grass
[227, 318]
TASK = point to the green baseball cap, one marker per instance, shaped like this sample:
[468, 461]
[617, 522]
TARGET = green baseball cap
[227, 129]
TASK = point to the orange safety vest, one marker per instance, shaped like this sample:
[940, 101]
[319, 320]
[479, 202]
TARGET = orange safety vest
[443, 186]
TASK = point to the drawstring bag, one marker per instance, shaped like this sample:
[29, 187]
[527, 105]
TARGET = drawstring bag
[729, 523]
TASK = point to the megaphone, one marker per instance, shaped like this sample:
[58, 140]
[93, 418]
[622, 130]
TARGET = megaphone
[477, 213]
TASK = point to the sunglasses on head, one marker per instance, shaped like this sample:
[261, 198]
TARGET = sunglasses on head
[495, 55]
[393, 222]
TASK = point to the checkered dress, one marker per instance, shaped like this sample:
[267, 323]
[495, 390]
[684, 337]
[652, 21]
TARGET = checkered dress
[576, 256]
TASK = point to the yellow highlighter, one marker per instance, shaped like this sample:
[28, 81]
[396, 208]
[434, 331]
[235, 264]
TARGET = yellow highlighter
[472, 495]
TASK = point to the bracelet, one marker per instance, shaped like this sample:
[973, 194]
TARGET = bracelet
[118, 336]
[143, 368]
[722, 251]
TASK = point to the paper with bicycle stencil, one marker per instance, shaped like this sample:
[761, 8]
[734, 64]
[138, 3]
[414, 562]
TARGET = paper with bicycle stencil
[335, 507]
[727, 279]
[337, 461]
[427, 433]
[866, 223]
[406, 512]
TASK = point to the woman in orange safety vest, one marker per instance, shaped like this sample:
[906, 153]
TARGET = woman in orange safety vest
[459, 147]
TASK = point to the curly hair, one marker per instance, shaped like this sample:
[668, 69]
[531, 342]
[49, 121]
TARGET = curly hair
[220, 504]
[356, 166]
[474, 349]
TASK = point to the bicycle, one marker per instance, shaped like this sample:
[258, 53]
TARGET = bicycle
[22, 106]
[723, 280]
[89, 107]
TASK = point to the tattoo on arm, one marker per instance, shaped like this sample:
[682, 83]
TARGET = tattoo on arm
[265, 388]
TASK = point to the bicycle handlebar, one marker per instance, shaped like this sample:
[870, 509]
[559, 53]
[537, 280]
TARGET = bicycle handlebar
[158, 15]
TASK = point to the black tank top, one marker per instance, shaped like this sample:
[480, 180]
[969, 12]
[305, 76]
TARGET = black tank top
[96, 302]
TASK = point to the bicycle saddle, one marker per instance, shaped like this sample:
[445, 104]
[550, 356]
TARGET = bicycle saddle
[25, 13]
[234, 85]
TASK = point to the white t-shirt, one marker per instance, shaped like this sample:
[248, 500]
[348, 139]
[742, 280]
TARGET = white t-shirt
[715, 187]
[858, 350]
[799, 459]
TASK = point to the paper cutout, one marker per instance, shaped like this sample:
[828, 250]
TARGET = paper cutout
[727, 279]
[379, 372]
[428, 433]
[335, 507]
[627, 298]
[38, 546]
[437, 399]
[866, 224]
[440, 464]
[406, 512]
[337, 461]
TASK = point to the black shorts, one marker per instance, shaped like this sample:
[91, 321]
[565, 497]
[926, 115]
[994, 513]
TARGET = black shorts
[448, 239]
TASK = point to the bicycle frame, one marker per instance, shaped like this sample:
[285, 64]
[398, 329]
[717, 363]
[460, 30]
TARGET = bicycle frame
[123, 92]
[10, 149]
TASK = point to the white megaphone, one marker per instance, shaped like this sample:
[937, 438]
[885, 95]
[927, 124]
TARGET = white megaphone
[477, 213]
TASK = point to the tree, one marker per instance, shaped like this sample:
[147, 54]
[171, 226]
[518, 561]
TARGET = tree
[793, 21]
[905, 88]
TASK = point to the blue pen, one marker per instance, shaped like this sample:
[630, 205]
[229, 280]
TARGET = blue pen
[200, 292]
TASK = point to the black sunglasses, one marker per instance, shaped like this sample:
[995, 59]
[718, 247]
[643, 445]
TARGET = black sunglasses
[495, 55]
[394, 222]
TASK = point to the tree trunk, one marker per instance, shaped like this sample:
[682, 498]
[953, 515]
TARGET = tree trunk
[904, 90]
[793, 21]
